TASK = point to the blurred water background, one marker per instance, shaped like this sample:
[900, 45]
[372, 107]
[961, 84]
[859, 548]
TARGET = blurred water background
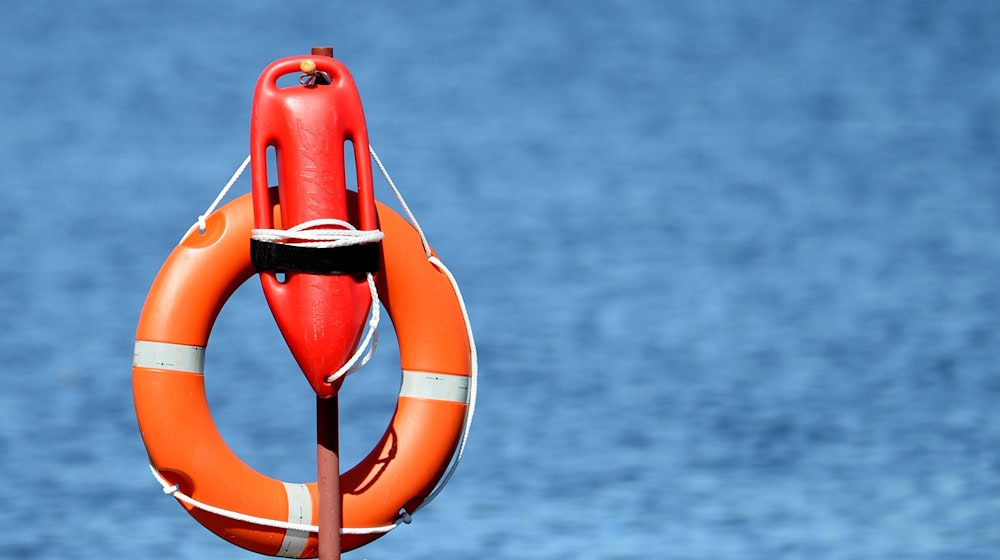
[733, 268]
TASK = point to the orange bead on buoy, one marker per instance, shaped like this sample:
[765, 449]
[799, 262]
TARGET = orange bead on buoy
[308, 66]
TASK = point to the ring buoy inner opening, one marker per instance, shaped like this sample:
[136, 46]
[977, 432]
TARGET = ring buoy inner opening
[184, 444]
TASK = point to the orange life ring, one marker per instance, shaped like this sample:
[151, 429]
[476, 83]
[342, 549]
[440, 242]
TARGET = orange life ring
[185, 447]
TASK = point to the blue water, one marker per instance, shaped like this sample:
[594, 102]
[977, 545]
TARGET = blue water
[733, 268]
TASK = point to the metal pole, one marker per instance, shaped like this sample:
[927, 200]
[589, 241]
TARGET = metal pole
[328, 457]
[328, 478]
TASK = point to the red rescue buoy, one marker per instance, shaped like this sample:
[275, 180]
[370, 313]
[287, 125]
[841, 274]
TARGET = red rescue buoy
[321, 314]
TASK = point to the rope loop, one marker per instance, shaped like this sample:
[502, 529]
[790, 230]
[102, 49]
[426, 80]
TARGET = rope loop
[370, 341]
[307, 234]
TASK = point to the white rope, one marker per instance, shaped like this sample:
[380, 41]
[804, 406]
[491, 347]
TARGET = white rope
[370, 341]
[202, 222]
[402, 203]
[174, 490]
[305, 235]
[473, 379]
[474, 357]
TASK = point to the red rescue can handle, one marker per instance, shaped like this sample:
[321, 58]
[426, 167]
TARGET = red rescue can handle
[307, 125]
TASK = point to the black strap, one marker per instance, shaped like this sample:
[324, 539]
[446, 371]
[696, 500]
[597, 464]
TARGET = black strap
[350, 259]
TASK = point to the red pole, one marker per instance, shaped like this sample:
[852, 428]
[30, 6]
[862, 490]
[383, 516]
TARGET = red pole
[328, 457]
[328, 478]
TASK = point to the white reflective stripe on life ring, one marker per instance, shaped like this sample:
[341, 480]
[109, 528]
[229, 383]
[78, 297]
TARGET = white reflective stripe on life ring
[169, 356]
[435, 386]
[299, 511]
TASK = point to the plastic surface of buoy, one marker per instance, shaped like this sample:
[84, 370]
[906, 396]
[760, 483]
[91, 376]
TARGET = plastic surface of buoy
[321, 316]
[184, 445]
